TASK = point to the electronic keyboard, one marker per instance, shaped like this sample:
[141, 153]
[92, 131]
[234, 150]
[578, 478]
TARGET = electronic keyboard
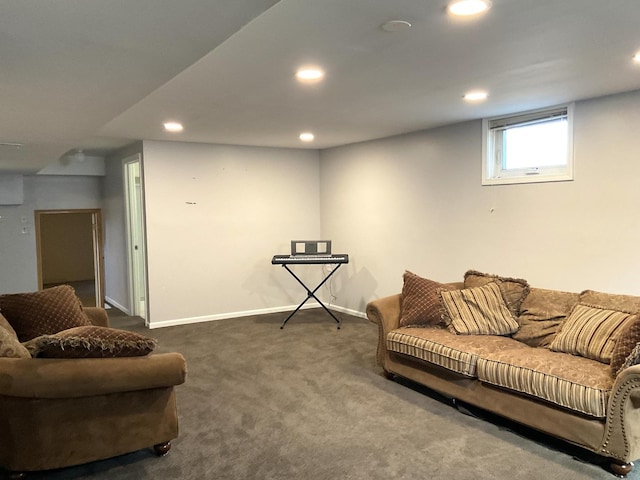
[309, 259]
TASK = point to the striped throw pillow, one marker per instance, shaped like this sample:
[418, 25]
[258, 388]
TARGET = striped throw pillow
[479, 311]
[591, 332]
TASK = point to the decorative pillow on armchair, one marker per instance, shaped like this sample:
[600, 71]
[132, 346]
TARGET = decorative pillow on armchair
[9, 344]
[91, 342]
[479, 311]
[421, 304]
[44, 312]
[514, 290]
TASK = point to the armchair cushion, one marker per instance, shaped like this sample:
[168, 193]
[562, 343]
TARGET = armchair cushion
[44, 312]
[91, 342]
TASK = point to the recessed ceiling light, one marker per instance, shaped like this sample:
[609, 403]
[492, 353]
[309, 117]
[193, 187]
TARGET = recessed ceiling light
[309, 74]
[468, 7]
[173, 127]
[395, 26]
[475, 96]
[307, 137]
[636, 57]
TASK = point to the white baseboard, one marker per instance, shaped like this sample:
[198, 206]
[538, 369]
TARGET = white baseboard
[224, 316]
[113, 303]
[348, 311]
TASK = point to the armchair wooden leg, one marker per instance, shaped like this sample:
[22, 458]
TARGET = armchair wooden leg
[621, 469]
[162, 449]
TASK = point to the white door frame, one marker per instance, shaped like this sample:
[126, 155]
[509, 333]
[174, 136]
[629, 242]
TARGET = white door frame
[136, 237]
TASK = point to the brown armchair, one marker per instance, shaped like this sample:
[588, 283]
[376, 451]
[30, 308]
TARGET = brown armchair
[61, 412]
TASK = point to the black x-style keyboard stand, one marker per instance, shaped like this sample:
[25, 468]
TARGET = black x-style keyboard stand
[312, 293]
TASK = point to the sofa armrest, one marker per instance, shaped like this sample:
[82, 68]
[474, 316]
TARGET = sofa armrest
[98, 316]
[622, 433]
[71, 378]
[386, 313]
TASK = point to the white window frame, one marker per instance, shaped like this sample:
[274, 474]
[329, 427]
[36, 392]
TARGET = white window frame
[492, 171]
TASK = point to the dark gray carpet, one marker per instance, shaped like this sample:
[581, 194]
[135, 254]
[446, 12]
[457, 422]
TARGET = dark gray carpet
[309, 403]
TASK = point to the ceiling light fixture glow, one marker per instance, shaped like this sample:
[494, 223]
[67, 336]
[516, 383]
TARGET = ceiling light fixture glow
[173, 127]
[636, 57]
[307, 137]
[309, 74]
[475, 96]
[466, 8]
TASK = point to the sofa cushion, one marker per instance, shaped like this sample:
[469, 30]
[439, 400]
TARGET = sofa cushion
[441, 347]
[611, 301]
[421, 301]
[541, 315]
[44, 312]
[591, 332]
[624, 346]
[514, 290]
[91, 342]
[9, 344]
[577, 383]
[479, 311]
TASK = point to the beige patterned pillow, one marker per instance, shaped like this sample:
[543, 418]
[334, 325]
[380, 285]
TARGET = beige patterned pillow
[479, 311]
[10, 346]
[420, 301]
[47, 311]
[591, 331]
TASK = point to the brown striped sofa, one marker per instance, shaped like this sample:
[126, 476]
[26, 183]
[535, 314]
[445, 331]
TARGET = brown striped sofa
[521, 375]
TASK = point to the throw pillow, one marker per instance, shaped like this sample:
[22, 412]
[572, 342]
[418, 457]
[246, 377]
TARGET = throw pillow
[479, 311]
[6, 325]
[91, 342]
[10, 346]
[632, 359]
[421, 304]
[626, 342]
[514, 290]
[541, 315]
[591, 331]
[44, 312]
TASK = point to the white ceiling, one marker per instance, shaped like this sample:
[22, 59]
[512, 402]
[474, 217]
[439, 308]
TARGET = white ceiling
[97, 75]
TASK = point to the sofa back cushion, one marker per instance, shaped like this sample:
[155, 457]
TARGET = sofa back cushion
[44, 312]
[421, 304]
[591, 332]
[612, 301]
[479, 311]
[541, 315]
[514, 290]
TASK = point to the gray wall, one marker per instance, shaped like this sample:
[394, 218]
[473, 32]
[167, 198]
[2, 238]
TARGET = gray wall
[416, 202]
[18, 257]
[215, 216]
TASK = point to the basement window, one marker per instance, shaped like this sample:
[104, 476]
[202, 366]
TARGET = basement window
[528, 147]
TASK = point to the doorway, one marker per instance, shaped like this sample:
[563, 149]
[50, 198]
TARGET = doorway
[70, 251]
[136, 241]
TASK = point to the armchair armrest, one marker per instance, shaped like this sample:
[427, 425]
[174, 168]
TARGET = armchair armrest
[71, 378]
[622, 432]
[386, 313]
[98, 316]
